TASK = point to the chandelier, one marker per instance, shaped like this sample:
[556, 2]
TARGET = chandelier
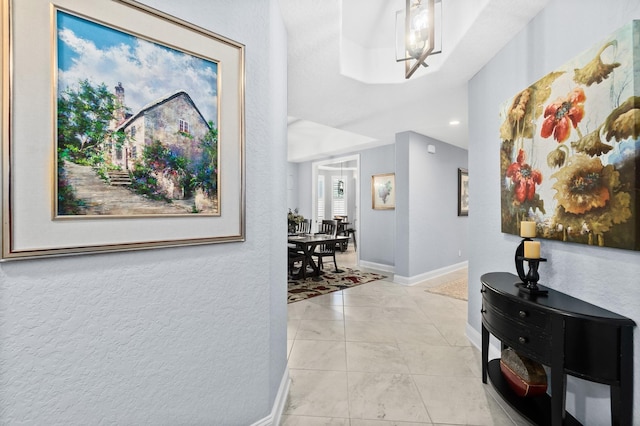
[418, 34]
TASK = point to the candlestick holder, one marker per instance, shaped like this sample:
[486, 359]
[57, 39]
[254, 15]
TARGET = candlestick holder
[519, 259]
[529, 283]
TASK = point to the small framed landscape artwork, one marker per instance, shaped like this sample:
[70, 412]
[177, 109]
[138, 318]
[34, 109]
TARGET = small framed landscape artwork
[463, 192]
[383, 191]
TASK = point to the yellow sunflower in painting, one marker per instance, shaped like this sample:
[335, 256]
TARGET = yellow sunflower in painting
[582, 185]
[590, 197]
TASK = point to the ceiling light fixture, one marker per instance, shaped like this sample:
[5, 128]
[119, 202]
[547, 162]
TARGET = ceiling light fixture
[416, 38]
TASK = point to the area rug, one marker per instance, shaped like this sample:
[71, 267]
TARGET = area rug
[331, 281]
[457, 289]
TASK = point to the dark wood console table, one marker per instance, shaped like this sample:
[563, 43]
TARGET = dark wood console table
[564, 333]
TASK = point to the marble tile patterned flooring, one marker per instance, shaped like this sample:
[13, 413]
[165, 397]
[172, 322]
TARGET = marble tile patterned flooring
[384, 354]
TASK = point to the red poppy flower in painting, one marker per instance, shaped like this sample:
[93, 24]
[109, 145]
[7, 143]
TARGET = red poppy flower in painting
[560, 115]
[524, 178]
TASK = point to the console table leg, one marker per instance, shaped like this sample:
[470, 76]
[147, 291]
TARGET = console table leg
[558, 377]
[485, 353]
[622, 396]
[616, 399]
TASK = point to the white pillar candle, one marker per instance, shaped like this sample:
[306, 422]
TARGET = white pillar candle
[532, 249]
[527, 229]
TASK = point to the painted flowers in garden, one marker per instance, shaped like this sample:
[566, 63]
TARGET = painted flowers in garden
[570, 149]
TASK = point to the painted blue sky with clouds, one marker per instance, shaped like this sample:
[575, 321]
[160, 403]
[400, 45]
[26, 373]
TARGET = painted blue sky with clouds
[148, 71]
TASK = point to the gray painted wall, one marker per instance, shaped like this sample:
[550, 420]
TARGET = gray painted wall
[602, 276]
[293, 186]
[192, 335]
[430, 234]
[300, 194]
[377, 227]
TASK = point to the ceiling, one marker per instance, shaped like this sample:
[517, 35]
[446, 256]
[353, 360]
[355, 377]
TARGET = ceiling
[346, 91]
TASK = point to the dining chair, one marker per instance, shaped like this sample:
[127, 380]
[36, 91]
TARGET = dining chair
[329, 227]
[347, 232]
[352, 233]
[304, 227]
[343, 222]
[294, 257]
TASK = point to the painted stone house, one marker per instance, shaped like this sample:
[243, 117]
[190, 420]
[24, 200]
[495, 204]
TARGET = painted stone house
[174, 120]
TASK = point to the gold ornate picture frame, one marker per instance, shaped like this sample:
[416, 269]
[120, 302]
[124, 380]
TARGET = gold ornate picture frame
[201, 156]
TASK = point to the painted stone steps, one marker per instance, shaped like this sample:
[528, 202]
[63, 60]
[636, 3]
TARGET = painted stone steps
[119, 178]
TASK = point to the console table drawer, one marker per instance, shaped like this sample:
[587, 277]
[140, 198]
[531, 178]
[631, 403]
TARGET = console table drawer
[530, 340]
[518, 311]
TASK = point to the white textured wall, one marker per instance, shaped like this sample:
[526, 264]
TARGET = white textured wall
[602, 276]
[193, 335]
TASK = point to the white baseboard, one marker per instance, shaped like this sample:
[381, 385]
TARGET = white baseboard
[475, 337]
[429, 275]
[377, 266]
[274, 418]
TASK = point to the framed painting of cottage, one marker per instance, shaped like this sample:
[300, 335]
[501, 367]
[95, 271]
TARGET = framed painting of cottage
[383, 191]
[139, 141]
[463, 192]
[570, 148]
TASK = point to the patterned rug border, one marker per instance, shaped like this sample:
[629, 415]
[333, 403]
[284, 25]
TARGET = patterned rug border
[299, 290]
[458, 289]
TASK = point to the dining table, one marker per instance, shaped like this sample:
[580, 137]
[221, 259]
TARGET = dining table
[307, 244]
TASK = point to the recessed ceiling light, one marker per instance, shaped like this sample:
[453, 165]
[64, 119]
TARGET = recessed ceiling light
[454, 122]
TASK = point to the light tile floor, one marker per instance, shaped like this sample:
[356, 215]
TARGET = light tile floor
[384, 354]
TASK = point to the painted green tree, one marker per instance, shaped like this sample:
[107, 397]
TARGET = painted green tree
[206, 175]
[84, 114]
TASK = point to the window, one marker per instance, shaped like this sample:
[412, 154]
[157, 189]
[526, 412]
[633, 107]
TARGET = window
[134, 152]
[320, 198]
[184, 126]
[338, 196]
[133, 131]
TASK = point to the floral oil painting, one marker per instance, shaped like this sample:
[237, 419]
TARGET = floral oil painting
[569, 155]
[136, 125]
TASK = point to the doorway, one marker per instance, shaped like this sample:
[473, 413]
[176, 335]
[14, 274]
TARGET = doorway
[336, 192]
